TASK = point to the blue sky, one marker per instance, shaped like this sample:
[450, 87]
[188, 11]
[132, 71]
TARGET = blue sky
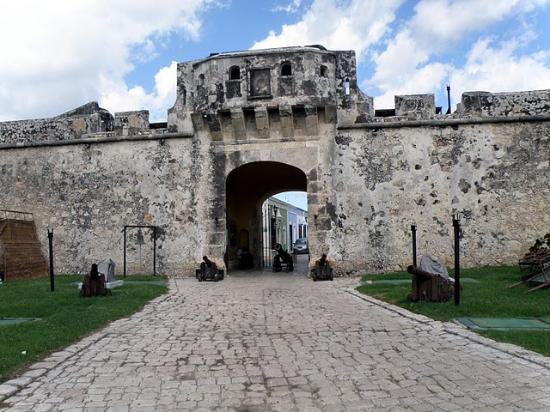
[123, 53]
[294, 198]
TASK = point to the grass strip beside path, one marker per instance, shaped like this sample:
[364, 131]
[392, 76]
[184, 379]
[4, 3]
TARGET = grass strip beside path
[65, 317]
[488, 298]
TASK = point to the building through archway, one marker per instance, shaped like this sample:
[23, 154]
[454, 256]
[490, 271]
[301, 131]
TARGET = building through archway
[247, 187]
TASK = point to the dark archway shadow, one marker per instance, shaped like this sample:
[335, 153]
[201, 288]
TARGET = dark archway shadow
[247, 187]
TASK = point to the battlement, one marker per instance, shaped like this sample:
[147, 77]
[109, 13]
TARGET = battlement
[485, 104]
[283, 122]
[310, 76]
[284, 93]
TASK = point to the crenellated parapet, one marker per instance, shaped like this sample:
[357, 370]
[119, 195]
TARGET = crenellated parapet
[474, 105]
[85, 122]
[284, 122]
[75, 124]
[289, 93]
[485, 104]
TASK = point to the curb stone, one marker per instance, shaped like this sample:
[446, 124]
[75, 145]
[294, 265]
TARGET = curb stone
[456, 329]
[7, 390]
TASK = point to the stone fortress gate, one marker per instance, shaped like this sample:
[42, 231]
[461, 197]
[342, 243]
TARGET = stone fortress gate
[247, 125]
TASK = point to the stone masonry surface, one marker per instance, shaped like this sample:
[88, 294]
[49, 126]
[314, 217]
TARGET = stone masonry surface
[280, 342]
[87, 173]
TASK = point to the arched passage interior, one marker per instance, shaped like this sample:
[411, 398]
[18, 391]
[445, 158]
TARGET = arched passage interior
[247, 187]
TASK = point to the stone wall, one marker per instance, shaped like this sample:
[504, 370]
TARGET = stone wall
[87, 173]
[87, 193]
[496, 175]
[86, 119]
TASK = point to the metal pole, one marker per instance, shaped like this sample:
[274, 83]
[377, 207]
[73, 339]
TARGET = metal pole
[456, 226]
[50, 245]
[262, 252]
[449, 98]
[154, 250]
[124, 251]
[413, 230]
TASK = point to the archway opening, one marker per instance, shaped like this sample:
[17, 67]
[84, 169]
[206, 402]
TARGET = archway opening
[247, 188]
[285, 222]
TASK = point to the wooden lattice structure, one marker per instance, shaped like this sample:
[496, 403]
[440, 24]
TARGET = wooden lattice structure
[20, 250]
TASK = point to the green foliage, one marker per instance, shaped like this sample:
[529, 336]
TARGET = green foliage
[491, 297]
[65, 317]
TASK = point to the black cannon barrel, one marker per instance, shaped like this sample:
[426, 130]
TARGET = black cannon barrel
[415, 271]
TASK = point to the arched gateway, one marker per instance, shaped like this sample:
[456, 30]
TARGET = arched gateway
[248, 124]
[247, 187]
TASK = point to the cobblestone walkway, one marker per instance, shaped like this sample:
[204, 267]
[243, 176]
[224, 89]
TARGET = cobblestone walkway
[277, 342]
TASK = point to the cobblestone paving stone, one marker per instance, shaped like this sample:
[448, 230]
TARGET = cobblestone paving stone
[281, 343]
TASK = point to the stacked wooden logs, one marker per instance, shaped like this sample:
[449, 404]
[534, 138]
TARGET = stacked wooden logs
[535, 267]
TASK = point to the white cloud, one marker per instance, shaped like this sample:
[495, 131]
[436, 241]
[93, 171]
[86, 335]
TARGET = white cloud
[500, 68]
[119, 98]
[436, 23]
[351, 25]
[423, 80]
[406, 65]
[58, 54]
[291, 7]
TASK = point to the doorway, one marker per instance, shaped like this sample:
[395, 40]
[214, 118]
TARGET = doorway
[249, 230]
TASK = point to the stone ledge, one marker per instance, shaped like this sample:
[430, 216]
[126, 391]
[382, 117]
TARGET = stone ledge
[445, 122]
[96, 140]
[458, 330]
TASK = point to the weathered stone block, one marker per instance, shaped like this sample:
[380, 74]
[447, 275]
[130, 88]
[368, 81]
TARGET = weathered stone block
[287, 121]
[237, 121]
[262, 122]
[415, 106]
[528, 103]
[312, 121]
[131, 123]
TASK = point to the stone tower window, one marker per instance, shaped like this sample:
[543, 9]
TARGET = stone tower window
[201, 79]
[234, 73]
[346, 87]
[323, 71]
[260, 83]
[286, 69]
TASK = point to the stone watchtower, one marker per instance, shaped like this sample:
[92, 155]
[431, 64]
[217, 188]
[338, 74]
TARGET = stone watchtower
[235, 87]
[285, 97]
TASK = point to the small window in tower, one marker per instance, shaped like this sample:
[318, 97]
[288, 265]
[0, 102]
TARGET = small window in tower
[201, 79]
[286, 69]
[346, 87]
[323, 71]
[234, 73]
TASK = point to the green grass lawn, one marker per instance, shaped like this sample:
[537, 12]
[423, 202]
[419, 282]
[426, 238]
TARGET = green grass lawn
[488, 298]
[65, 317]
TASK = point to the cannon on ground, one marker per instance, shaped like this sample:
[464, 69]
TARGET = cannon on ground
[322, 270]
[430, 281]
[208, 271]
[282, 260]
